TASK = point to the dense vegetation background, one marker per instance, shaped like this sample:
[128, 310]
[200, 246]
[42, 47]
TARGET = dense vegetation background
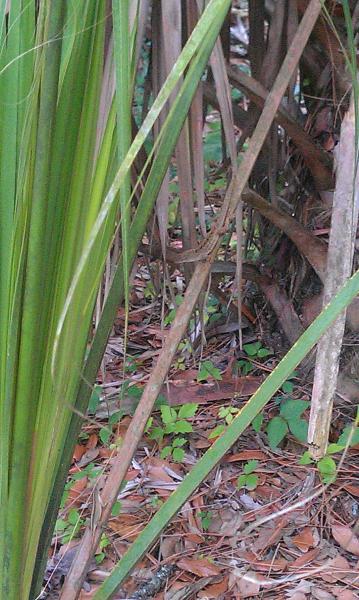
[179, 200]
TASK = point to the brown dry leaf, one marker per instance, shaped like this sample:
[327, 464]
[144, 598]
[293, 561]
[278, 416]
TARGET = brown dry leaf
[199, 566]
[156, 470]
[126, 525]
[75, 492]
[226, 522]
[88, 457]
[306, 558]
[92, 441]
[345, 594]
[247, 455]
[346, 538]
[176, 393]
[321, 594]
[269, 535]
[247, 584]
[79, 451]
[304, 540]
[337, 569]
[170, 545]
[352, 489]
[275, 565]
[268, 492]
[215, 590]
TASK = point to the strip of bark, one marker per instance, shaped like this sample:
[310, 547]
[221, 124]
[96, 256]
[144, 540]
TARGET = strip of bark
[340, 260]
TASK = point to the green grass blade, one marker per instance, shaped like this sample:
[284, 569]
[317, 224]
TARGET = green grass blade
[123, 61]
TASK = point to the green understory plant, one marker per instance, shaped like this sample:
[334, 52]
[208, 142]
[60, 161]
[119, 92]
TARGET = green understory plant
[254, 350]
[208, 371]
[289, 420]
[227, 413]
[249, 479]
[175, 423]
[68, 528]
[327, 467]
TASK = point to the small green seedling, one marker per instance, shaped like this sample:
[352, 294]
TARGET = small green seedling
[208, 371]
[257, 422]
[174, 422]
[228, 413]
[326, 466]
[206, 518]
[289, 419]
[249, 479]
[172, 313]
[95, 399]
[155, 502]
[69, 527]
[100, 555]
[254, 350]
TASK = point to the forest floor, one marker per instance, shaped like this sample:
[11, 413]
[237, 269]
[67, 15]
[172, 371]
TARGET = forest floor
[261, 525]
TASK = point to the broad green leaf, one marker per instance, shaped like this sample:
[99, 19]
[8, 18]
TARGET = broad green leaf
[344, 437]
[187, 410]
[263, 352]
[252, 349]
[182, 427]
[257, 422]
[105, 435]
[116, 509]
[168, 414]
[250, 466]
[166, 451]
[248, 481]
[207, 371]
[251, 481]
[299, 428]
[95, 399]
[293, 409]
[60, 525]
[206, 519]
[334, 448]
[241, 481]
[245, 366]
[277, 429]
[288, 387]
[99, 557]
[178, 442]
[178, 454]
[305, 459]
[327, 469]
[73, 516]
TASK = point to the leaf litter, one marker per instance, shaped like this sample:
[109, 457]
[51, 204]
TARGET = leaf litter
[229, 540]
